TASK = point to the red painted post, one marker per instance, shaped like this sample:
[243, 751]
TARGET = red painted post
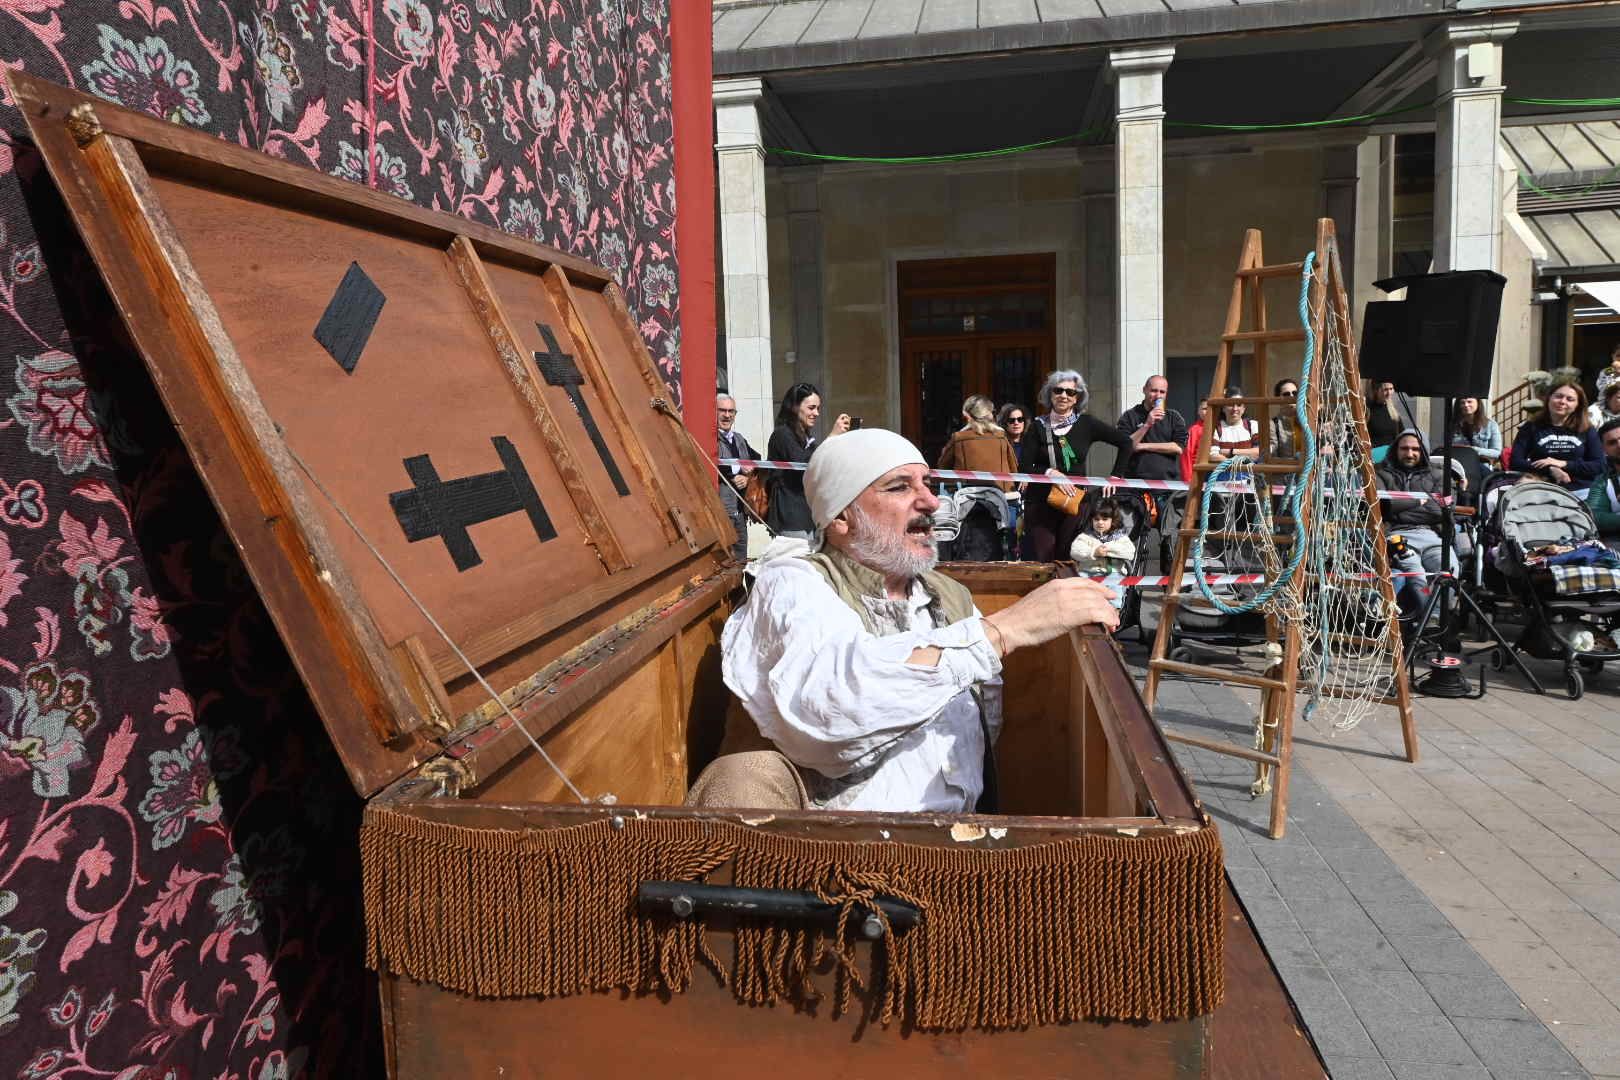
[692, 72]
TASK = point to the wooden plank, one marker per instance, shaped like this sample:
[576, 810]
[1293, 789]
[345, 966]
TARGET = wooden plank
[416, 667]
[1220, 747]
[1267, 336]
[698, 465]
[1241, 678]
[492, 644]
[503, 337]
[1265, 468]
[562, 295]
[929, 829]
[1275, 270]
[1258, 399]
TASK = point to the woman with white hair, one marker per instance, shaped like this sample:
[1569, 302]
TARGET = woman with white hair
[1060, 441]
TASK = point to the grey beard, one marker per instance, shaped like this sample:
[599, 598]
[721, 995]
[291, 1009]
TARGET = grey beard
[886, 552]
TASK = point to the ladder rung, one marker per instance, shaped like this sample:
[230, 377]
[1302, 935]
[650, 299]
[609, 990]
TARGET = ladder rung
[1241, 678]
[1293, 334]
[1232, 749]
[1276, 539]
[1217, 402]
[1273, 468]
[1293, 269]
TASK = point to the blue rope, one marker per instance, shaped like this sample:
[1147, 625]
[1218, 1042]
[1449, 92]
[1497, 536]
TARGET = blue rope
[1296, 490]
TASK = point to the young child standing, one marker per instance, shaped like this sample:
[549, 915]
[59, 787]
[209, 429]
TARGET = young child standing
[1103, 546]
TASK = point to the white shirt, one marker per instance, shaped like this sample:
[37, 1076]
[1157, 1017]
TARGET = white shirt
[839, 702]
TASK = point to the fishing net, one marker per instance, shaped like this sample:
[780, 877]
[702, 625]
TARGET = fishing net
[1325, 579]
[1349, 637]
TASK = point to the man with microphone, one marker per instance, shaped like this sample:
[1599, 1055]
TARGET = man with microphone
[1162, 435]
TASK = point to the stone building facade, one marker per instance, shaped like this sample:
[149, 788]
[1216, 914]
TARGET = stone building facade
[1114, 249]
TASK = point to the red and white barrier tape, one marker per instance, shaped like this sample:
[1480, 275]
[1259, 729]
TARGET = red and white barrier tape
[1131, 581]
[1076, 481]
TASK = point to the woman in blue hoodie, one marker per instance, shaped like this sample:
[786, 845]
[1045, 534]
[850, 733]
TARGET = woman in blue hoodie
[1560, 445]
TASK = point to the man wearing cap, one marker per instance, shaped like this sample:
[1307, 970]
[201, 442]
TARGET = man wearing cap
[872, 674]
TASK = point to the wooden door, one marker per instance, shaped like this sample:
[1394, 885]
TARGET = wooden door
[971, 326]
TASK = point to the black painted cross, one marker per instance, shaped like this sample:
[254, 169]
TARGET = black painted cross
[447, 508]
[559, 369]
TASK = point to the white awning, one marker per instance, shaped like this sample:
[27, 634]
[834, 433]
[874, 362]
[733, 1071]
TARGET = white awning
[1605, 292]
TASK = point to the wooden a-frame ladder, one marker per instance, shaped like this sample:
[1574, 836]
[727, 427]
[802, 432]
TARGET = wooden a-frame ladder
[1277, 686]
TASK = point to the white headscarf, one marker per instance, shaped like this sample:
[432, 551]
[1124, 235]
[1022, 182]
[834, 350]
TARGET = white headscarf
[845, 466]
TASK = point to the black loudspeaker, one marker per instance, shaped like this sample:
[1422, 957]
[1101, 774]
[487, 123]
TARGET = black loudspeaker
[1440, 340]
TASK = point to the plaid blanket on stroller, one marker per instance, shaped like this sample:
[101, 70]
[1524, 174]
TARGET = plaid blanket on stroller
[1575, 567]
[1569, 580]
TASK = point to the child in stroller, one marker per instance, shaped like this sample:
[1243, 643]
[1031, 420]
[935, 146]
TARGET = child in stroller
[1112, 543]
[1104, 546]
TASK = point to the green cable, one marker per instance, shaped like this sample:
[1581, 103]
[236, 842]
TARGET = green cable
[1335, 122]
[1574, 103]
[1559, 196]
[1342, 121]
[933, 159]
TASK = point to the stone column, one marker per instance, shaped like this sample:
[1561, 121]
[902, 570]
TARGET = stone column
[1139, 214]
[743, 261]
[1101, 359]
[1468, 123]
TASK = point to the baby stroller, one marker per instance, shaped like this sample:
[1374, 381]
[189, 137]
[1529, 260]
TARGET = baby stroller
[971, 525]
[1572, 607]
[1200, 626]
[1487, 585]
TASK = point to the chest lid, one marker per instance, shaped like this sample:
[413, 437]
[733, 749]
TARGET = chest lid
[418, 430]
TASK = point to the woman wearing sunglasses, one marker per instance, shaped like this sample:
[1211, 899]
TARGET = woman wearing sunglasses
[1014, 420]
[1284, 442]
[1060, 441]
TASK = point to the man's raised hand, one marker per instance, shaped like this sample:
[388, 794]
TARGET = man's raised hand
[1051, 610]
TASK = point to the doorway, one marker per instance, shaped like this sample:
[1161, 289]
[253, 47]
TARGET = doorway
[972, 326]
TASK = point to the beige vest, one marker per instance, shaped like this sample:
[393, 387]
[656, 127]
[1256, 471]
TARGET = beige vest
[860, 587]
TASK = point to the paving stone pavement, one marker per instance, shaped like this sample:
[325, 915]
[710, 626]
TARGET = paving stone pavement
[1457, 919]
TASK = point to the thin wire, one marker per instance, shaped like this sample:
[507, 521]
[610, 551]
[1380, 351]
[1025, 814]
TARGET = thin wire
[411, 596]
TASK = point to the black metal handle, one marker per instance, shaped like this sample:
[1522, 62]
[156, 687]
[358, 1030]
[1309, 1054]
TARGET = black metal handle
[684, 899]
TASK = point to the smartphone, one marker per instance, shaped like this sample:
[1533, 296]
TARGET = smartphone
[854, 422]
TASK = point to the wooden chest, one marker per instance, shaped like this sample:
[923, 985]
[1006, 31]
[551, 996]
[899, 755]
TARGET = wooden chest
[501, 567]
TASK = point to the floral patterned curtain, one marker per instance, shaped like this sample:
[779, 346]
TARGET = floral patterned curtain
[178, 870]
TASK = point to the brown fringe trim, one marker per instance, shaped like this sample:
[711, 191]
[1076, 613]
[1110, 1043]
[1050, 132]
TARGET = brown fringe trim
[1094, 927]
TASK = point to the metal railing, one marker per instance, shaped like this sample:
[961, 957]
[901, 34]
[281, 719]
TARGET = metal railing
[1513, 407]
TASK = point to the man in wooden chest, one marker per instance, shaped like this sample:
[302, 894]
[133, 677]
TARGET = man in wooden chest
[874, 676]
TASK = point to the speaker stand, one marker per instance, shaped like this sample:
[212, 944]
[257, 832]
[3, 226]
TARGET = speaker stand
[1448, 584]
